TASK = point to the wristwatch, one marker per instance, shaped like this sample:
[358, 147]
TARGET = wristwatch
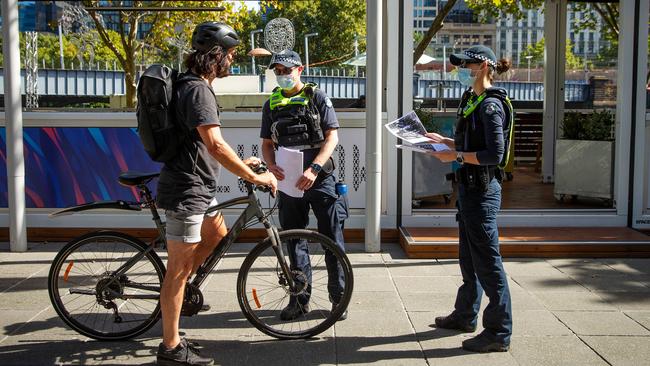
[459, 157]
[315, 167]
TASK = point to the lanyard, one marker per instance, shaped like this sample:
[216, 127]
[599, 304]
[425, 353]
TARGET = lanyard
[472, 104]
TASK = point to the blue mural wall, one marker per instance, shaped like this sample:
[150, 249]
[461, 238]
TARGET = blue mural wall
[72, 165]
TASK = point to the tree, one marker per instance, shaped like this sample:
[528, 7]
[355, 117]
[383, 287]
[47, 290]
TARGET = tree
[164, 26]
[573, 62]
[337, 22]
[488, 9]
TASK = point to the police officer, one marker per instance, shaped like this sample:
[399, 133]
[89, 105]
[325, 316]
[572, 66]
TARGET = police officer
[301, 116]
[481, 144]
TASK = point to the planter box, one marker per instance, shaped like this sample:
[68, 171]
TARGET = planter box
[584, 168]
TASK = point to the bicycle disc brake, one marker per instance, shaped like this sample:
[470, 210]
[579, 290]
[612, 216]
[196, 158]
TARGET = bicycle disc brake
[193, 300]
[300, 282]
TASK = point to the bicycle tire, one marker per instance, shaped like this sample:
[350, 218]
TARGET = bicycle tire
[270, 325]
[59, 277]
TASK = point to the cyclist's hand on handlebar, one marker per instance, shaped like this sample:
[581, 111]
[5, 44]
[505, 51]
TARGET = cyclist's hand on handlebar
[268, 179]
[277, 171]
[253, 161]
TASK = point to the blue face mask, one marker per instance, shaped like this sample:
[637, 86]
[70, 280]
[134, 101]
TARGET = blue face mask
[465, 76]
[285, 82]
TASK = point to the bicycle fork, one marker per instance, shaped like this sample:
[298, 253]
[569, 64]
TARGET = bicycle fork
[274, 235]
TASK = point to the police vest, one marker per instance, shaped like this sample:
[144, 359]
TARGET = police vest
[296, 120]
[466, 139]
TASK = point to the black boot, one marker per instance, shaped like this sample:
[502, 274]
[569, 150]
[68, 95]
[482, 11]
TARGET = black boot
[452, 322]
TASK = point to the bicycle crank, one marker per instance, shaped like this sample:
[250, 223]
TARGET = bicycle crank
[193, 300]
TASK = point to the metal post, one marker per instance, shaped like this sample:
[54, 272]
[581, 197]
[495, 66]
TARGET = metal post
[307, 50]
[14, 128]
[356, 53]
[373, 125]
[31, 70]
[444, 62]
[253, 47]
[61, 47]
[528, 58]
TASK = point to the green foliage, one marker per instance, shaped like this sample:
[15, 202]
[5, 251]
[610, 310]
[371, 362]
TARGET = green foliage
[573, 62]
[336, 21]
[596, 126]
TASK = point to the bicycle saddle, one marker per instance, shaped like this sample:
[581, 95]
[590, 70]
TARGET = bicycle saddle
[136, 178]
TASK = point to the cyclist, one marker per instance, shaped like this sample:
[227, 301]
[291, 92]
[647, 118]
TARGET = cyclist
[187, 184]
[301, 116]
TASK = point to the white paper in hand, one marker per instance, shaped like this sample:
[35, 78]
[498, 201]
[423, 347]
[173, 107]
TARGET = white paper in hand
[291, 163]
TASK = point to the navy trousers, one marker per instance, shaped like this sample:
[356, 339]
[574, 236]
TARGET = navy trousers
[480, 262]
[330, 211]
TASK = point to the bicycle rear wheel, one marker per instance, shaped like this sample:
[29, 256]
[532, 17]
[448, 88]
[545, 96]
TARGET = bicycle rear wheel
[90, 295]
[263, 290]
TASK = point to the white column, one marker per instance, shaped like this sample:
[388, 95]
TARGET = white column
[631, 148]
[554, 60]
[14, 127]
[407, 106]
[389, 156]
[373, 124]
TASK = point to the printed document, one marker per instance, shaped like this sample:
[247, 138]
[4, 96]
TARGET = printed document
[408, 128]
[291, 163]
[425, 148]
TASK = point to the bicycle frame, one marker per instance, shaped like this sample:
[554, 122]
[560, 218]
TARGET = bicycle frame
[253, 210]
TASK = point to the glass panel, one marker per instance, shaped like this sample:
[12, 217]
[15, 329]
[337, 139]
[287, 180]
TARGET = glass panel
[584, 155]
[92, 69]
[590, 91]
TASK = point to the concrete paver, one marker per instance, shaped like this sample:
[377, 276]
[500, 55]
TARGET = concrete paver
[623, 350]
[565, 311]
[601, 323]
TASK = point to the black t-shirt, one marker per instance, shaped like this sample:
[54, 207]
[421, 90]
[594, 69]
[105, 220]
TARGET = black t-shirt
[328, 121]
[188, 182]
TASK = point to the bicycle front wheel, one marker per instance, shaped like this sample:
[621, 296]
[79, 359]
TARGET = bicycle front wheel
[263, 289]
[106, 285]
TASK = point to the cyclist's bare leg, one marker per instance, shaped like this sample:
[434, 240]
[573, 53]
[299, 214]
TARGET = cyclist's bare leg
[213, 229]
[179, 267]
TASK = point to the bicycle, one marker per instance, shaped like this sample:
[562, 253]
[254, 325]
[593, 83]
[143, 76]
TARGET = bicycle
[106, 284]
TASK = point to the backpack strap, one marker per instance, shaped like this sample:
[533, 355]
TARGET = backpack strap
[508, 131]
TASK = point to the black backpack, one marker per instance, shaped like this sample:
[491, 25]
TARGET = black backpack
[161, 135]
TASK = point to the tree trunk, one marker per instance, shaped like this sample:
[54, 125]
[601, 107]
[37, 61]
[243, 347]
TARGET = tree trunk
[435, 27]
[129, 78]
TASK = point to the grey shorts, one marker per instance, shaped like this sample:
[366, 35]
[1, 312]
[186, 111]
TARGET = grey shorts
[184, 227]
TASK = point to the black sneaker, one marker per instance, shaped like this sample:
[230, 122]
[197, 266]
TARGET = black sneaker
[293, 311]
[343, 316]
[183, 354]
[483, 344]
[451, 322]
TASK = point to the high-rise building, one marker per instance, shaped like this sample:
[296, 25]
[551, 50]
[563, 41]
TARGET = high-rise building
[513, 36]
[508, 37]
[461, 28]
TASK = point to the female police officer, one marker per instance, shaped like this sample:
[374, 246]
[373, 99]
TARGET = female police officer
[480, 145]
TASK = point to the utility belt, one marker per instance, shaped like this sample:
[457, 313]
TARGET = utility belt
[478, 177]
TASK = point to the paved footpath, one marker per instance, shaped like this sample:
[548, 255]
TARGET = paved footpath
[566, 312]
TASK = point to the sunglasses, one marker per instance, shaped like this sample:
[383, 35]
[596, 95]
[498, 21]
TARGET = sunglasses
[284, 71]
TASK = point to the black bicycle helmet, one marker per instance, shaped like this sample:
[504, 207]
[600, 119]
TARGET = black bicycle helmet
[207, 35]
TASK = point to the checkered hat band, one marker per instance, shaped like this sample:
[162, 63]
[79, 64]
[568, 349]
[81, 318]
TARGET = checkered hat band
[480, 57]
[286, 59]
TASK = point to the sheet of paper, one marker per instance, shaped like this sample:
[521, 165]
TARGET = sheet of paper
[425, 148]
[291, 162]
[408, 128]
